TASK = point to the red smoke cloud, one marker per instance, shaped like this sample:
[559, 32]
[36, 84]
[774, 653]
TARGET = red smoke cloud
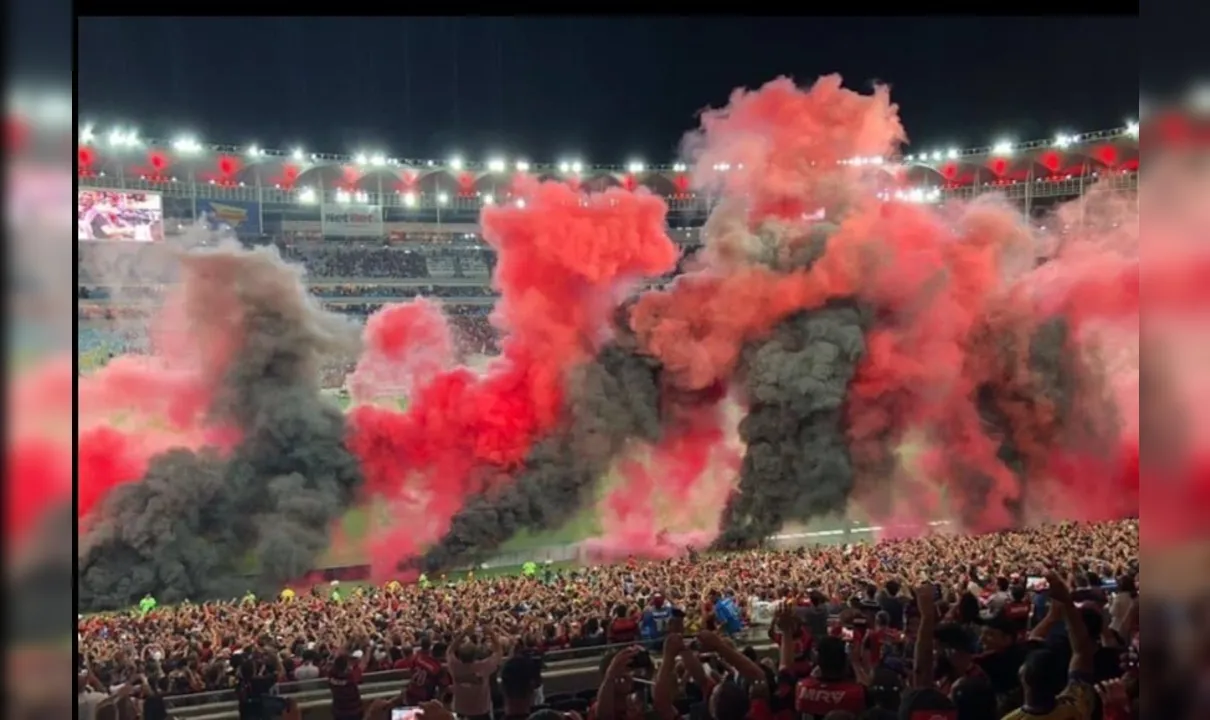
[406, 346]
[563, 260]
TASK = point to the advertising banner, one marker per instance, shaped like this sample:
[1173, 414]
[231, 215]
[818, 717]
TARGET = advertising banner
[118, 215]
[241, 217]
[360, 221]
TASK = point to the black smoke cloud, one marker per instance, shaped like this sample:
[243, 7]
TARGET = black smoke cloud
[200, 525]
[796, 465]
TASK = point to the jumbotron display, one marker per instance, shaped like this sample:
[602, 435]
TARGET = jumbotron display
[117, 215]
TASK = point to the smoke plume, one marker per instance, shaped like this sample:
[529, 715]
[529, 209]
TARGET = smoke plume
[906, 361]
[797, 463]
[198, 523]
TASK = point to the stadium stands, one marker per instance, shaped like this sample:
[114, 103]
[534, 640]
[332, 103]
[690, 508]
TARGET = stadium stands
[849, 593]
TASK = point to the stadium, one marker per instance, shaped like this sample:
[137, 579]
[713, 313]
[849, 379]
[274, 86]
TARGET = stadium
[372, 230]
[807, 396]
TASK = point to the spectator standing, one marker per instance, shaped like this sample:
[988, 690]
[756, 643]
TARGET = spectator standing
[472, 675]
[345, 684]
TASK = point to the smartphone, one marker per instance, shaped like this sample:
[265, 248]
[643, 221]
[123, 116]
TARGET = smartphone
[1036, 584]
[405, 713]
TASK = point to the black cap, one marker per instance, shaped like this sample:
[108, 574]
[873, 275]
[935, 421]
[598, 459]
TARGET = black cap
[953, 636]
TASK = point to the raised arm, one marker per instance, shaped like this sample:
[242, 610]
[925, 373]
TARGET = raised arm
[922, 660]
[712, 642]
[1082, 648]
[663, 695]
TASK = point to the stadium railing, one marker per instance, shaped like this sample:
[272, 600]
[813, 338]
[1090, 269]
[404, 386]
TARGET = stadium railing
[566, 671]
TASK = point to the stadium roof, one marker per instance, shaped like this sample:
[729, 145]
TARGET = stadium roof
[127, 138]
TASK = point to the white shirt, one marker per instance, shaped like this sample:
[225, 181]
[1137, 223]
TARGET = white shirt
[306, 671]
[763, 610]
[87, 703]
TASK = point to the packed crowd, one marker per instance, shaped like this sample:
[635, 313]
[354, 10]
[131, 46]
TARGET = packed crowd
[139, 264]
[340, 261]
[1039, 623]
[100, 336]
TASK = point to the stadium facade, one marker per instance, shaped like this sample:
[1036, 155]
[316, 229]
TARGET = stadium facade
[373, 229]
[320, 195]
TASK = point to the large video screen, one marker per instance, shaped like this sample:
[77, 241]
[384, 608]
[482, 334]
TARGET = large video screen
[109, 215]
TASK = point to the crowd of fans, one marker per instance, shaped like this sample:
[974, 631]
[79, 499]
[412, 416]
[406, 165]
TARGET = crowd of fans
[102, 334]
[401, 292]
[141, 264]
[1038, 623]
[343, 261]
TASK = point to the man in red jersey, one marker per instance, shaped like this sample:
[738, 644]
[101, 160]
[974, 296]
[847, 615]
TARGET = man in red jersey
[827, 689]
[344, 682]
[787, 623]
[624, 628]
[427, 674]
[1017, 610]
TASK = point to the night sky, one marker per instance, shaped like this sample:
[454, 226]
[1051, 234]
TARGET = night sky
[602, 90]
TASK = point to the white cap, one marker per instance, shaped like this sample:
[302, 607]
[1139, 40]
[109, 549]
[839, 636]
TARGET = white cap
[357, 654]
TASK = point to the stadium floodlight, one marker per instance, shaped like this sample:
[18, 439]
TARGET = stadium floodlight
[679, 167]
[1132, 128]
[187, 145]
[488, 199]
[496, 165]
[564, 167]
[937, 156]
[1199, 97]
[298, 155]
[522, 166]
[521, 203]
[378, 160]
[409, 199]
[455, 163]
[908, 158]
[635, 167]
[255, 152]
[86, 135]
[361, 159]
[952, 153]
[577, 167]
[342, 196]
[1063, 141]
[1002, 148]
[120, 138]
[442, 198]
[307, 196]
